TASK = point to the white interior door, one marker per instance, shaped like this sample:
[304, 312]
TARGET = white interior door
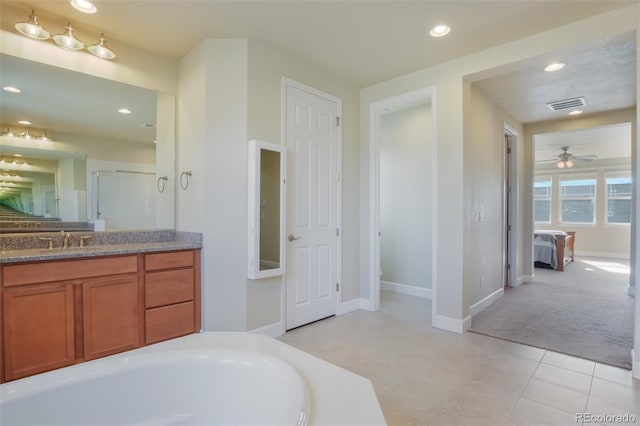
[312, 138]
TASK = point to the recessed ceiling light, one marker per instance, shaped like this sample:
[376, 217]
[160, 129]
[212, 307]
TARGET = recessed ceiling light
[83, 6]
[575, 112]
[124, 111]
[11, 89]
[17, 155]
[24, 122]
[554, 66]
[440, 31]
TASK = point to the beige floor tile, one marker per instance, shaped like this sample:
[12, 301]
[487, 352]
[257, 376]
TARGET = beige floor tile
[565, 378]
[614, 374]
[568, 362]
[520, 350]
[497, 378]
[627, 397]
[558, 397]
[597, 405]
[531, 413]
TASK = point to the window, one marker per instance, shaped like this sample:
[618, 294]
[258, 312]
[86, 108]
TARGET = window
[542, 199]
[578, 199]
[618, 197]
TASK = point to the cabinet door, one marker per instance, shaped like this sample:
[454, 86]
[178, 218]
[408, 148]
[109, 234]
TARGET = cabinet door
[38, 328]
[111, 316]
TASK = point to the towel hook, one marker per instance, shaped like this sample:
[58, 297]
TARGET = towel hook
[184, 183]
[161, 184]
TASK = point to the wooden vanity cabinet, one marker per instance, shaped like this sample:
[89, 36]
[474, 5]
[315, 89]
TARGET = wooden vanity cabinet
[110, 316]
[38, 327]
[172, 295]
[61, 312]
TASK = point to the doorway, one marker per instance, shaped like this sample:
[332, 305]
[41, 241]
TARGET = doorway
[428, 186]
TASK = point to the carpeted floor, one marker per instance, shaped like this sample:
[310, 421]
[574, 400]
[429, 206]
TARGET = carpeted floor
[584, 311]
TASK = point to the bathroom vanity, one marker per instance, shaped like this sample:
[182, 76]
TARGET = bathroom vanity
[69, 305]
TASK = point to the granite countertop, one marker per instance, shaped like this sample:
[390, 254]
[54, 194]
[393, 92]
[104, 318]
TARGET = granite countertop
[107, 245]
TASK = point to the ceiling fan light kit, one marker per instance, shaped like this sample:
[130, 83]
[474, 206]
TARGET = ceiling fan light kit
[67, 40]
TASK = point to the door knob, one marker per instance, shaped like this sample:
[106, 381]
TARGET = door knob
[292, 238]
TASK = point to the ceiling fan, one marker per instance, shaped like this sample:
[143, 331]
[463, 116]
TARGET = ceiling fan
[567, 159]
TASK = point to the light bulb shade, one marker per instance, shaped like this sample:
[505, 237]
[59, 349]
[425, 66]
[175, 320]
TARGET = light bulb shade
[101, 50]
[560, 164]
[569, 164]
[44, 136]
[32, 29]
[67, 40]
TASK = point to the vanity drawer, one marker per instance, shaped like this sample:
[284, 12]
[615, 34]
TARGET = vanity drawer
[41, 272]
[170, 321]
[167, 287]
[176, 259]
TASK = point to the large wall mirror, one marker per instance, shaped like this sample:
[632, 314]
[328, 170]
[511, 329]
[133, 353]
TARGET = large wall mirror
[111, 157]
[266, 209]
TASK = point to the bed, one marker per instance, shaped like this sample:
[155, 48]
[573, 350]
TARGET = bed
[553, 249]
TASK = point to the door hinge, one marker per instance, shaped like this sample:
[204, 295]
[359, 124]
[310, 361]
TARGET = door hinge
[337, 232]
[508, 267]
[337, 121]
[509, 150]
[337, 286]
[508, 227]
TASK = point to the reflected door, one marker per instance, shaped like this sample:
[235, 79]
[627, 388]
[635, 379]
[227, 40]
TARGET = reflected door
[311, 135]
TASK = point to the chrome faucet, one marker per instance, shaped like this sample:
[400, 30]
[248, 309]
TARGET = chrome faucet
[49, 241]
[83, 240]
[66, 240]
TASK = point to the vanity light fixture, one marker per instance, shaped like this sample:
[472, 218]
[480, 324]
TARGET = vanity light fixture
[24, 122]
[11, 89]
[83, 6]
[32, 29]
[101, 50]
[554, 66]
[27, 134]
[67, 40]
[124, 111]
[440, 30]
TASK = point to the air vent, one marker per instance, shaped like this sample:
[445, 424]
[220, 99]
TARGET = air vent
[566, 104]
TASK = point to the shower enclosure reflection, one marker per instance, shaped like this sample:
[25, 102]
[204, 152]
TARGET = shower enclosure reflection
[123, 199]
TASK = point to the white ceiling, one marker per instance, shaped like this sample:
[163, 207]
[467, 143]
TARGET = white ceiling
[606, 142]
[364, 42]
[361, 41]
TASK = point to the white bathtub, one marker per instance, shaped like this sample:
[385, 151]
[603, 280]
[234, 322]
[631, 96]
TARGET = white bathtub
[205, 386]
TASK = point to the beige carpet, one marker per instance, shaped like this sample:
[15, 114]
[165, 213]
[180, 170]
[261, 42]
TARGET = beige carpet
[584, 311]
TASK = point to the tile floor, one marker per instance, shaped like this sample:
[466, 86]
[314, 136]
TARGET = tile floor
[426, 376]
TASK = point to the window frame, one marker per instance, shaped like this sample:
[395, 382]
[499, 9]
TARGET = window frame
[564, 177]
[614, 175]
[543, 178]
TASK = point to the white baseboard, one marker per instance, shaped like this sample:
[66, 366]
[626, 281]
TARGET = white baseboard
[483, 304]
[410, 290]
[523, 279]
[451, 324]
[635, 365]
[353, 305]
[606, 255]
[272, 330]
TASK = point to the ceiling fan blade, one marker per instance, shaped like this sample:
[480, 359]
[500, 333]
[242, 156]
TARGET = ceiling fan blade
[589, 157]
[551, 160]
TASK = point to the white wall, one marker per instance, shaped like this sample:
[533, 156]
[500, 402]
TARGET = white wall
[405, 196]
[212, 135]
[484, 195]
